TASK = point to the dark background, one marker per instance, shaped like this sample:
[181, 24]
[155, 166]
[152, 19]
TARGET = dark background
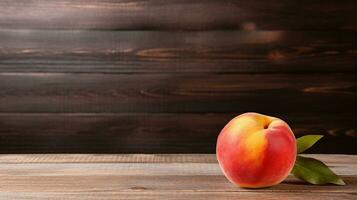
[161, 76]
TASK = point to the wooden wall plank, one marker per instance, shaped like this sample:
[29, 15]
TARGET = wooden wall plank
[173, 52]
[113, 93]
[154, 133]
[71, 82]
[179, 14]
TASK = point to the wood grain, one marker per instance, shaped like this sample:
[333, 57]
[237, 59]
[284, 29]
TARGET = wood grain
[179, 14]
[165, 76]
[335, 160]
[175, 176]
[175, 195]
[153, 132]
[177, 52]
[113, 93]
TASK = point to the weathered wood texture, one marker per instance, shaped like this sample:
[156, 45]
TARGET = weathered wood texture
[179, 14]
[165, 133]
[113, 93]
[174, 176]
[155, 131]
[177, 52]
[121, 76]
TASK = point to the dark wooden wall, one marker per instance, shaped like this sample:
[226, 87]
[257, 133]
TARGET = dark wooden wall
[164, 76]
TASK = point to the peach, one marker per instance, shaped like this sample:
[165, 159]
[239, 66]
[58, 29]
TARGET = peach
[255, 150]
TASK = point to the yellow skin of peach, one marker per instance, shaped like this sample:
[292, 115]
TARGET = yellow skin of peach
[255, 150]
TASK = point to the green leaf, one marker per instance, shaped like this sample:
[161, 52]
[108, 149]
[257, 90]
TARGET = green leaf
[305, 142]
[314, 172]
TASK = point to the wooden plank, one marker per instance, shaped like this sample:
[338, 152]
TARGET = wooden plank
[154, 133]
[132, 158]
[179, 14]
[54, 180]
[347, 162]
[204, 93]
[114, 176]
[173, 52]
[174, 195]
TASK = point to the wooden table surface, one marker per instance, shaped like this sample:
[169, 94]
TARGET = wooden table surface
[144, 176]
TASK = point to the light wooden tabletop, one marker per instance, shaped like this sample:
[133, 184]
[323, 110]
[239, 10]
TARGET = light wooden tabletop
[139, 176]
